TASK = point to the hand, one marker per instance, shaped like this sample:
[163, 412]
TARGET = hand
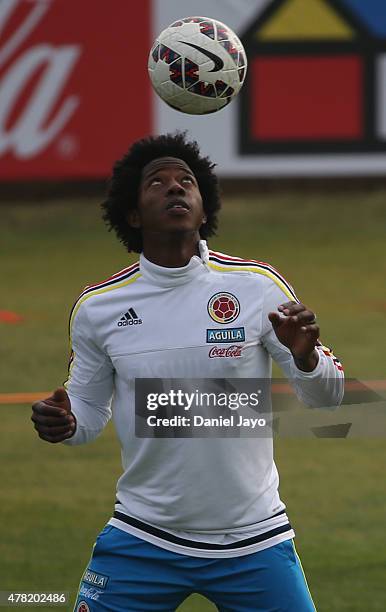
[298, 331]
[53, 418]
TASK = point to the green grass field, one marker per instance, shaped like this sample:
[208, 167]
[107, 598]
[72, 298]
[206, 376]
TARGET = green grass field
[56, 499]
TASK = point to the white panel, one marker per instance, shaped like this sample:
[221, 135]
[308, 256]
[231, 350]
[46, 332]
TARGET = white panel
[217, 133]
[381, 97]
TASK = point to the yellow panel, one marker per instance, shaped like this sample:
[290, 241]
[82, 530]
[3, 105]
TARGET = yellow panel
[305, 20]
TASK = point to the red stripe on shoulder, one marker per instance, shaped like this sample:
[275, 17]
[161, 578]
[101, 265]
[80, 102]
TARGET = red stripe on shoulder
[115, 276]
[230, 259]
[109, 281]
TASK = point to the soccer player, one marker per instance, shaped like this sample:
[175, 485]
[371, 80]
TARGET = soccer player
[192, 514]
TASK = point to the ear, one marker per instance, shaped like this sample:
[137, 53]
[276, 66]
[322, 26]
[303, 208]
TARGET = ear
[133, 218]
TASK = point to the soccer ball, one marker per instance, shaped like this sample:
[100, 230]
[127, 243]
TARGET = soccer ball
[197, 65]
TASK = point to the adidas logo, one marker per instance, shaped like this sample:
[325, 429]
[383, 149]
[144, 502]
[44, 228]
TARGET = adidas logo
[130, 318]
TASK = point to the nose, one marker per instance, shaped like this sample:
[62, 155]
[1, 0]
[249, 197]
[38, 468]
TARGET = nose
[175, 188]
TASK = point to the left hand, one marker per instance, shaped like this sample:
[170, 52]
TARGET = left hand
[298, 331]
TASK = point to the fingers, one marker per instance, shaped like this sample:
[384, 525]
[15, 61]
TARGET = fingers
[48, 409]
[55, 438]
[275, 318]
[60, 395]
[59, 398]
[54, 423]
[299, 313]
[55, 432]
[312, 330]
[289, 307]
[307, 321]
[304, 317]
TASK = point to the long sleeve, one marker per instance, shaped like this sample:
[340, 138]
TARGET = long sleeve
[324, 386]
[90, 381]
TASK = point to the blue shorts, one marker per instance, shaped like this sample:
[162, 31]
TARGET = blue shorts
[127, 574]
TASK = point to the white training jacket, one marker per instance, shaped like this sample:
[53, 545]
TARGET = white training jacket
[205, 497]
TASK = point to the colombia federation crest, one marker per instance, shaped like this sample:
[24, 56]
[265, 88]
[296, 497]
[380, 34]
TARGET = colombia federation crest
[223, 307]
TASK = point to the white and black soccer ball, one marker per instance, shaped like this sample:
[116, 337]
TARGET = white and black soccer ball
[197, 65]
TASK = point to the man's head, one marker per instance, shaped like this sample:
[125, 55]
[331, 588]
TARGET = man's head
[162, 183]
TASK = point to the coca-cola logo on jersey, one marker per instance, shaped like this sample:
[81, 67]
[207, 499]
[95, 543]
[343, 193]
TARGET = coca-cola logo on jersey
[33, 76]
[222, 351]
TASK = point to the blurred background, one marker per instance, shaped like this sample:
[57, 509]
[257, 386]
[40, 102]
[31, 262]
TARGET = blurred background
[302, 159]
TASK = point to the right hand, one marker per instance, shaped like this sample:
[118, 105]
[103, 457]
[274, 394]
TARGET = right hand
[53, 418]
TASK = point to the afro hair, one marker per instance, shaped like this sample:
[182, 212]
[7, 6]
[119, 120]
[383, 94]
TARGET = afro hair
[123, 188]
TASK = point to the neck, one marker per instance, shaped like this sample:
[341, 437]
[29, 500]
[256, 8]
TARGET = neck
[172, 250]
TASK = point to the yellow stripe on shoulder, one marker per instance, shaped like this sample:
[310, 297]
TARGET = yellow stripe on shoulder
[262, 271]
[70, 367]
[118, 285]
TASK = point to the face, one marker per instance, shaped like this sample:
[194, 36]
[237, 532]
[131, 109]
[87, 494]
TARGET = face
[169, 198]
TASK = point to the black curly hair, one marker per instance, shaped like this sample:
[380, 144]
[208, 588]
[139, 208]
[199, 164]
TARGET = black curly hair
[123, 189]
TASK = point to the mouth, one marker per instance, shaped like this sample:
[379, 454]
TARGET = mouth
[177, 205]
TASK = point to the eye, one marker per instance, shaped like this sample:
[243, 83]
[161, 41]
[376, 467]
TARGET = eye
[155, 181]
[187, 179]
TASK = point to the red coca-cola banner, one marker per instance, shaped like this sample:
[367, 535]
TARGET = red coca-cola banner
[74, 90]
